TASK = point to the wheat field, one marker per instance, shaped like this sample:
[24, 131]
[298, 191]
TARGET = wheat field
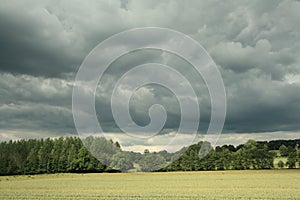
[263, 184]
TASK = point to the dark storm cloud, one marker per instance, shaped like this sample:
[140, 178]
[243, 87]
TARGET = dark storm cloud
[31, 44]
[35, 104]
[37, 117]
[256, 45]
[50, 38]
[256, 103]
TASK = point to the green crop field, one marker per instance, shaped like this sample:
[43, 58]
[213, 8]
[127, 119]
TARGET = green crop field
[263, 184]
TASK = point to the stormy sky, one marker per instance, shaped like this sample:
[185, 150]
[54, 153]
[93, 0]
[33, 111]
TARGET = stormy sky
[255, 44]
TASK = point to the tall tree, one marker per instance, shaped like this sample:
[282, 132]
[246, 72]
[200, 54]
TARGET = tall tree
[283, 150]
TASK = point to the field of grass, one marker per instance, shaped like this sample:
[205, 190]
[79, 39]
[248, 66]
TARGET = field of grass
[263, 184]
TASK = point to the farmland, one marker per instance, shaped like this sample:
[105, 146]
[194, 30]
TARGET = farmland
[243, 184]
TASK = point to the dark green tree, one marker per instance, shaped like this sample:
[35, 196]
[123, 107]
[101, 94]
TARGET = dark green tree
[280, 164]
[292, 160]
[283, 150]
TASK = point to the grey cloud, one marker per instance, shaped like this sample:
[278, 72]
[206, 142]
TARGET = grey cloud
[254, 43]
[36, 117]
[33, 43]
[18, 89]
[145, 97]
[256, 103]
[233, 56]
[51, 38]
[35, 104]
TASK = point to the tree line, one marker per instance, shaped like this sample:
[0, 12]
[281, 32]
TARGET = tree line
[37, 156]
[251, 155]
[96, 154]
